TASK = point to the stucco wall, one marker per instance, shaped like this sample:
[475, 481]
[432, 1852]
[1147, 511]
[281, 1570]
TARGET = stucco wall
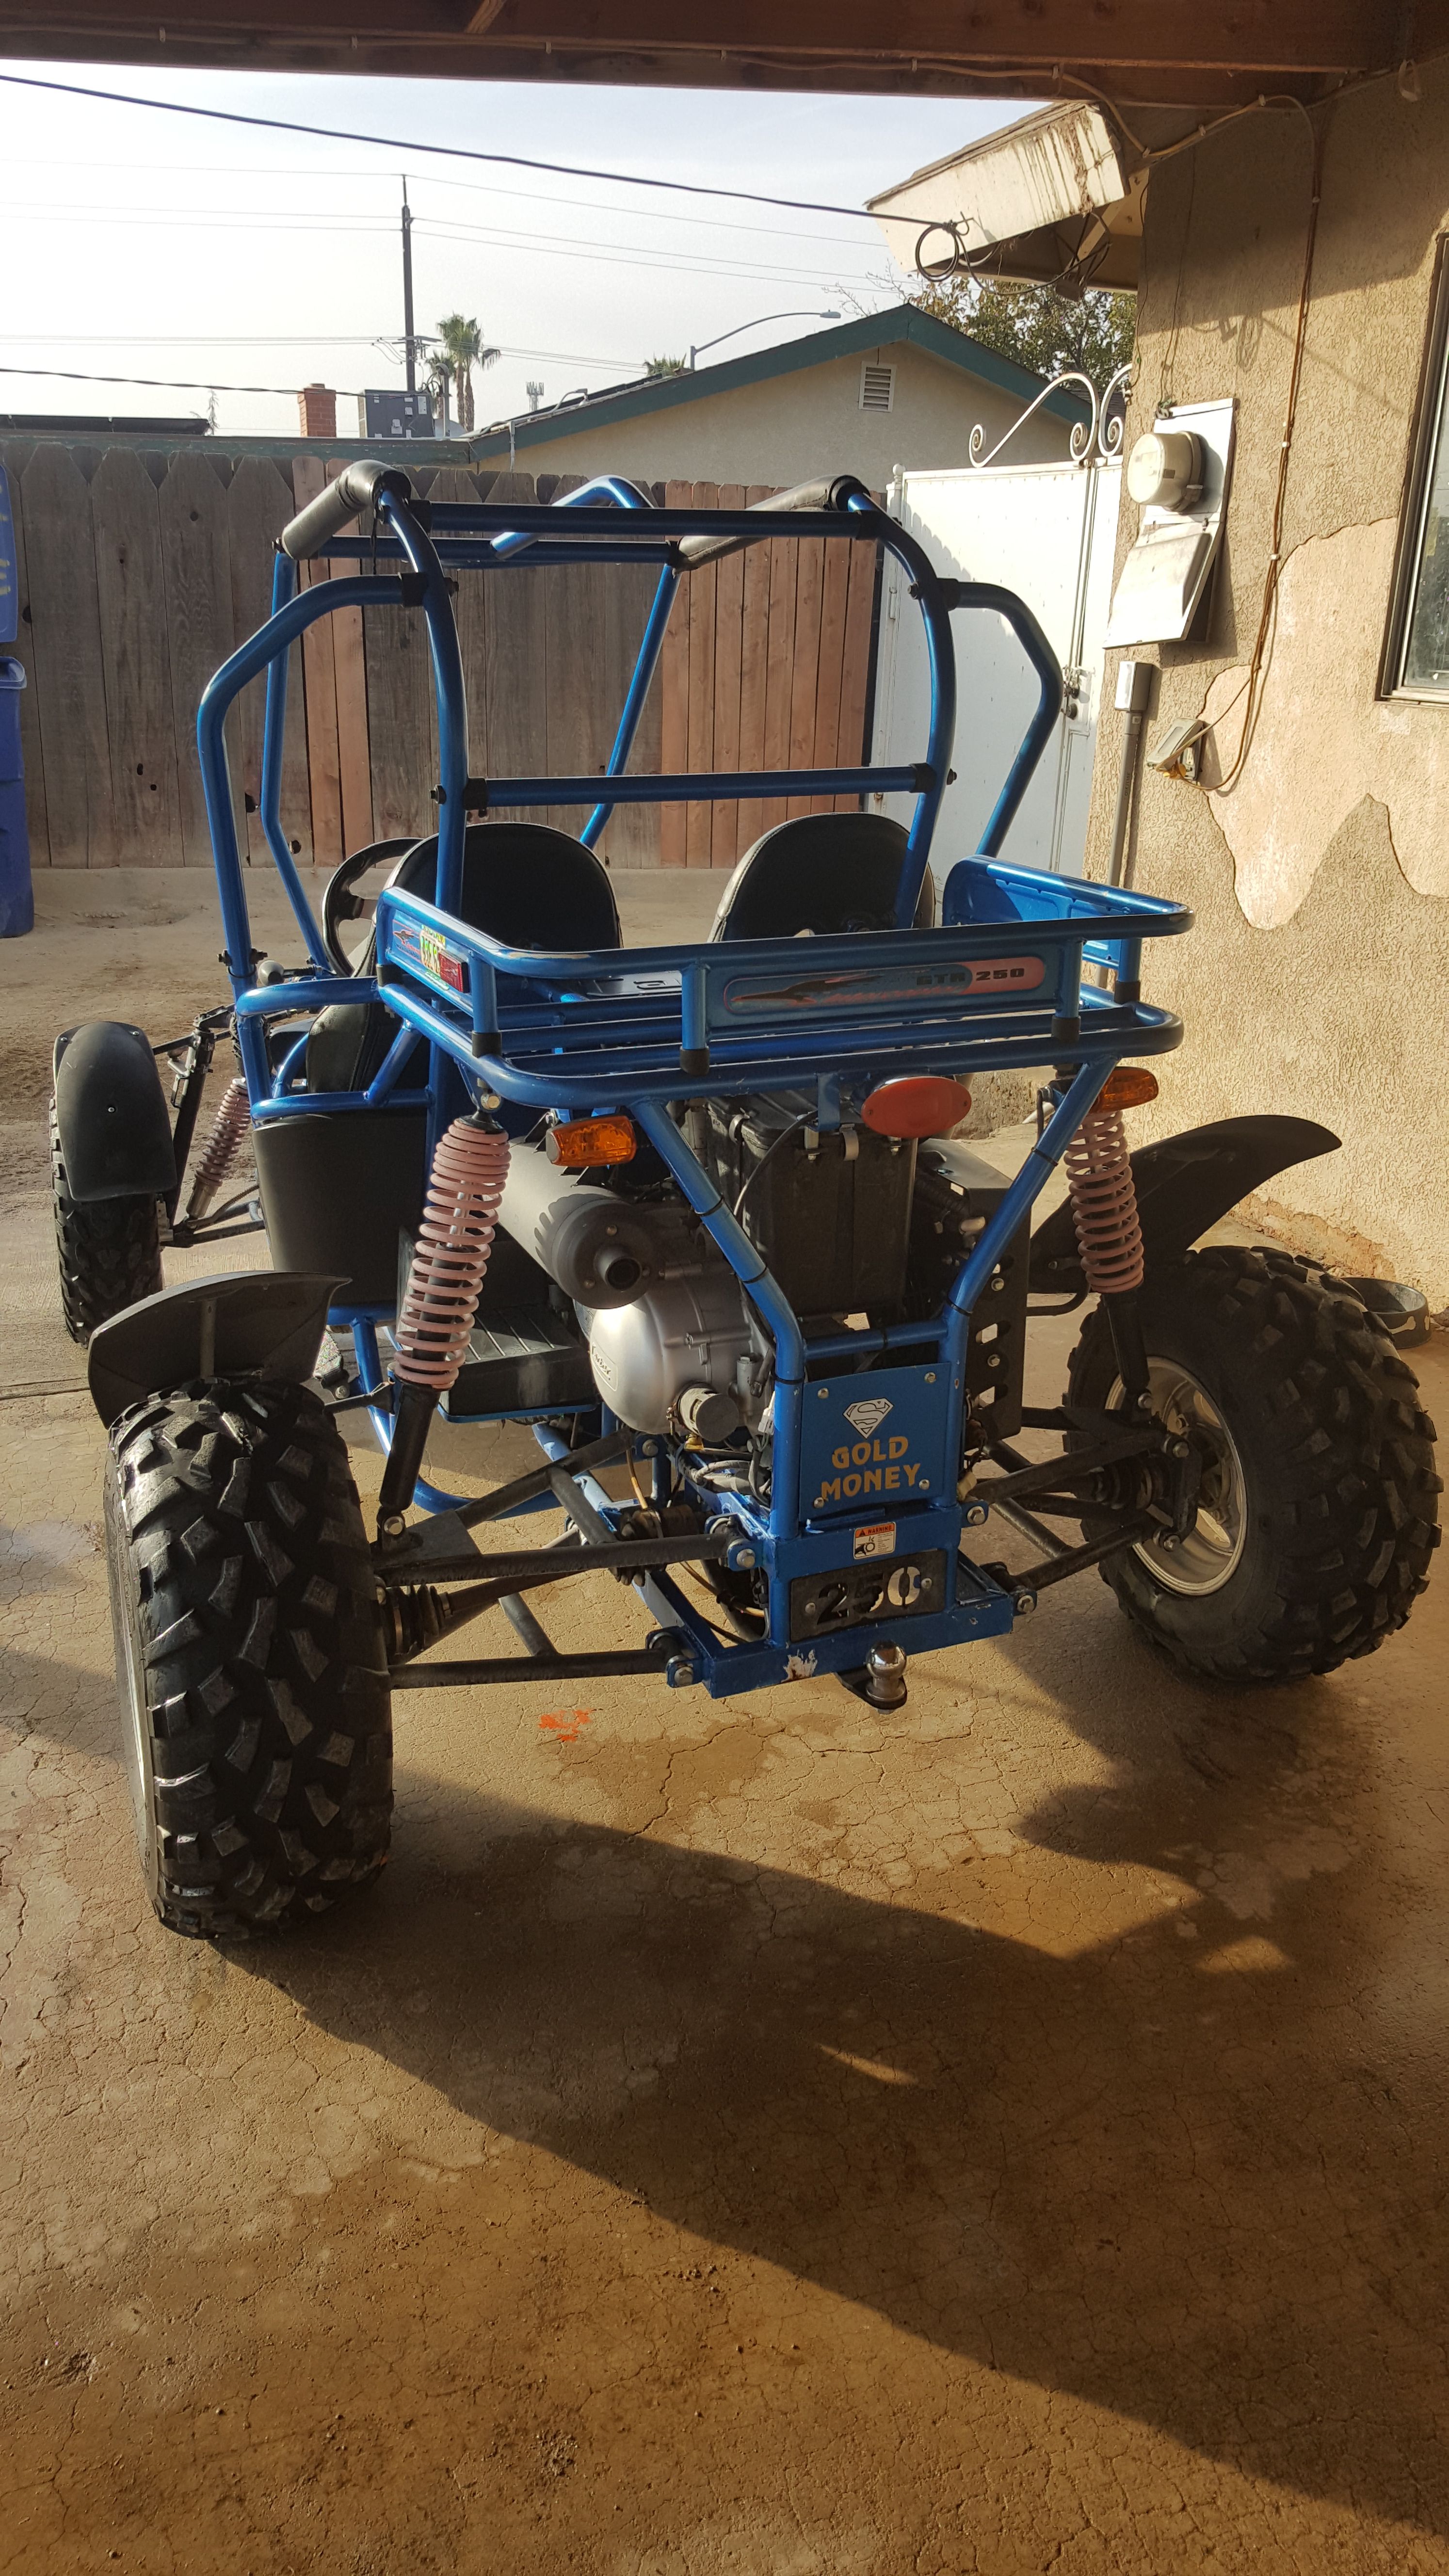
[1315, 981]
[793, 427]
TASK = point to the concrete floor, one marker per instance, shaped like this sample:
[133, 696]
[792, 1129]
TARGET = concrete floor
[733, 2140]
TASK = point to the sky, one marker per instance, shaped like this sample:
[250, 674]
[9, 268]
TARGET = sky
[151, 245]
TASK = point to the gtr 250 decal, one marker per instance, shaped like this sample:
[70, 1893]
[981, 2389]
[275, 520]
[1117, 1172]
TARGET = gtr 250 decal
[883, 988]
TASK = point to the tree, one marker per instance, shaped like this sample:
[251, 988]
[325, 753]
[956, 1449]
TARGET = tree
[656, 367]
[463, 349]
[1034, 325]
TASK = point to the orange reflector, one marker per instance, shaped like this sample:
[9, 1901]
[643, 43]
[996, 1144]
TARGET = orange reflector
[581, 1141]
[1128, 1088]
[919, 1104]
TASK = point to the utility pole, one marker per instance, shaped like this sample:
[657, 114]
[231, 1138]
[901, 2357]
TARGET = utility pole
[409, 341]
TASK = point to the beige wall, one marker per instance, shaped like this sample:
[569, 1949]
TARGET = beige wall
[1315, 981]
[792, 428]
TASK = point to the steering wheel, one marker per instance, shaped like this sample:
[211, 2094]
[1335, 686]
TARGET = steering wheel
[340, 904]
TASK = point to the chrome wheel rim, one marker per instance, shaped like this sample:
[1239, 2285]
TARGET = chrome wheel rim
[1211, 1553]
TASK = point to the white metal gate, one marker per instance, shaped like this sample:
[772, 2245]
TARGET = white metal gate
[1047, 532]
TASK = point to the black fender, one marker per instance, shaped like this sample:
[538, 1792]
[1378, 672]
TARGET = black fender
[111, 1113]
[1184, 1185]
[263, 1323]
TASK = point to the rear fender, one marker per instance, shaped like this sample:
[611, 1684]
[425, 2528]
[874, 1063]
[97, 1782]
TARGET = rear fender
[1185, 1184]
[248, 1323]
[111, 1113]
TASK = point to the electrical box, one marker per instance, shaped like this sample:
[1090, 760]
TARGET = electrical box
[1180, 473]
[401, 415]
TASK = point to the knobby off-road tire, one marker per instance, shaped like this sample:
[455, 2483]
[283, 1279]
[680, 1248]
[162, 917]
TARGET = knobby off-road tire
[109, 1249]
[249, 1657]
[1323, 1494]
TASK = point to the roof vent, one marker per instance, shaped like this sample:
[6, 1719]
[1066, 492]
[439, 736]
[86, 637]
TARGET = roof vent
[877, 386]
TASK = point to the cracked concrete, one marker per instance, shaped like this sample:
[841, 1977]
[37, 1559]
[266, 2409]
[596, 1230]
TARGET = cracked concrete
[737, 2139]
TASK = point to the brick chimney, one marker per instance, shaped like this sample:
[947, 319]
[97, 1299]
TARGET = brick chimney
[318, 407]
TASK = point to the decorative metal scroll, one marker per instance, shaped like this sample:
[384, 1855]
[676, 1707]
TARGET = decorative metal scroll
[1096, 441]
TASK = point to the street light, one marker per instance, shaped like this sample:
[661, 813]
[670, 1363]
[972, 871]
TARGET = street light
[797, 315]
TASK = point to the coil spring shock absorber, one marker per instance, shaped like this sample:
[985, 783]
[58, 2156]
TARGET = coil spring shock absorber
[220, 1151]
[455, 1238]
[1104, 1213]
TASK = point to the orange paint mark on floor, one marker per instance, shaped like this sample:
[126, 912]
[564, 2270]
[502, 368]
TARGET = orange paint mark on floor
[566, 1725]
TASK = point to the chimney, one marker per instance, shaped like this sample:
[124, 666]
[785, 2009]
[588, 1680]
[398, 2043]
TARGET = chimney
[318, 407]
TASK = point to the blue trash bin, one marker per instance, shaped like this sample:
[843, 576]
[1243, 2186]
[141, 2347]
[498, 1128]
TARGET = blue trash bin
[17, 901]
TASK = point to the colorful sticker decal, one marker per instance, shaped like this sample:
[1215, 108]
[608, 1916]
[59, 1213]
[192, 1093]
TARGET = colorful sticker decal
[428, 950]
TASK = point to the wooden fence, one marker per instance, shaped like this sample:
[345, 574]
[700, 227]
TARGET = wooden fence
[141, 570]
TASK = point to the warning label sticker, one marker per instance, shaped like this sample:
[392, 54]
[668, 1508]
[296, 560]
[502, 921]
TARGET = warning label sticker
[875, 1538]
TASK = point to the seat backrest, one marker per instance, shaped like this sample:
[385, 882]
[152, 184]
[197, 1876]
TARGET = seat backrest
[524, 883]
[823, 873]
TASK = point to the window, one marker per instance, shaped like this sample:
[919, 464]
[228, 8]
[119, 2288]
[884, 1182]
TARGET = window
[1416, 659]
[877, 386]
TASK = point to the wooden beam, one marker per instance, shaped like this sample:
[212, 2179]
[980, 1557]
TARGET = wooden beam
[1145, 52]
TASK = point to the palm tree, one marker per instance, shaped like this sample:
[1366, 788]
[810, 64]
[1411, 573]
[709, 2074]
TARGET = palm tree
[463, 349]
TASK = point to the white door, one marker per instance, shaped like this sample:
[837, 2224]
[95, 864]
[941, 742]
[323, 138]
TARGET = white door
[1048, 533]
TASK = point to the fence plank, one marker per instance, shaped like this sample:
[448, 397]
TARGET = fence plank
[258, 506]
[69, 663]
[674, 700]
[809, 579]
[324, 766]
[701, 591]
[779, 668]
[631, 836]
[834, 598]
[196, 567]
[729, 604]
[140, 708]
[515, 698]
[855, 661]
[754, 648]
[32, 752]
[349, 671]
[578, 728]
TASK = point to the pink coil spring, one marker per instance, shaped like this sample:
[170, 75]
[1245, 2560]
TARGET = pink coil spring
[1104, 1203]
[454, 1241]
[222, 1146]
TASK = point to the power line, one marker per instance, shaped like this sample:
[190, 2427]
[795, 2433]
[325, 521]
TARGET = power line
[170, 384]
[450, 151]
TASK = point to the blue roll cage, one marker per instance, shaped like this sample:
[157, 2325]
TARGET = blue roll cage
[1009, 979]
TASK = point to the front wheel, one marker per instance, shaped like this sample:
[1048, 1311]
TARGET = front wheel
[249, 1657]
[1318, 1506]
[109, 1250]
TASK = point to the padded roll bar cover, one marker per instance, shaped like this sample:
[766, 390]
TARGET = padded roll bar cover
[1185, 1184]
[110, 1110]
[358, 487]
[835, 493]
[264, 1323]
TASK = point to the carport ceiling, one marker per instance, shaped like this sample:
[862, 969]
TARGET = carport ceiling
[1169, 53]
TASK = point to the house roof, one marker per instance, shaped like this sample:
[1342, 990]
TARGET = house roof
[903, 325]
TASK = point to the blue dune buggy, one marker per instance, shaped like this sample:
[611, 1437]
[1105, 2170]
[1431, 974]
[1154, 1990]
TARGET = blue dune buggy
[698, 1215]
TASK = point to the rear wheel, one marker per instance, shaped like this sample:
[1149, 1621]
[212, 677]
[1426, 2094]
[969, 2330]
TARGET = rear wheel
[109, 1250]
[249, 1657]
[1318, 1509]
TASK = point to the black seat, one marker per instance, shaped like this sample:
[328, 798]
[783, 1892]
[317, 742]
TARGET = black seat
[523, 883]
[820, 873]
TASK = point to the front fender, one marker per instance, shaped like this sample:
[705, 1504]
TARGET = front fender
[263, 1322]
[1185, 1184]
[110, 1110]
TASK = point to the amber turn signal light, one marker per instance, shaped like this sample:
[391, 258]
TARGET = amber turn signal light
[919, 1104]
[578, 1142]
[1128, 1088]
